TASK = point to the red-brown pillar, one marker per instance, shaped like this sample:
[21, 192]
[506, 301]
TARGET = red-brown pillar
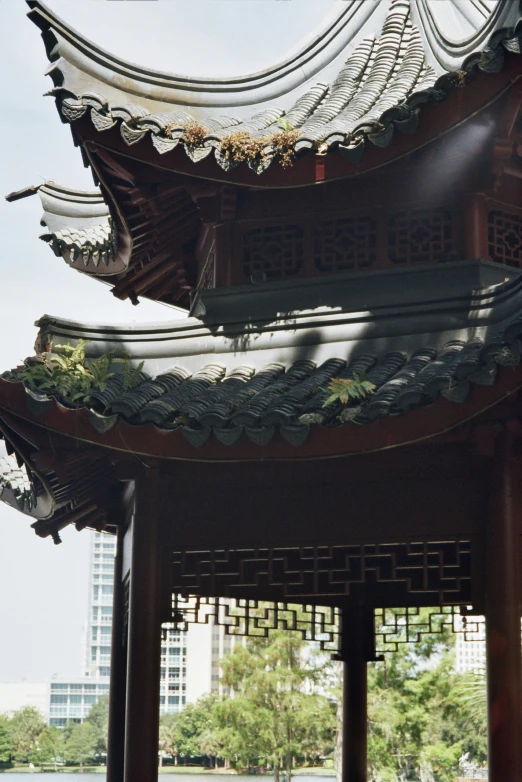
[144, 639]
[356, 629]
[116, 740]
[504, 680]
[475, 228]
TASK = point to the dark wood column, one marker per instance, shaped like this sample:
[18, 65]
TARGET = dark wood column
[116, 740]
[475, 228]
[144, 640]
[356, 650]
[503, 619]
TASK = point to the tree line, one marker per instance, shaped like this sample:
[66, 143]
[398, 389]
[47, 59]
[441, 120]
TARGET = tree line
[26, 739]
[278, 708]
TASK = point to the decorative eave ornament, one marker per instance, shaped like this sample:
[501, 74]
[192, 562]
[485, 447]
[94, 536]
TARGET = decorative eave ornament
[346, 89]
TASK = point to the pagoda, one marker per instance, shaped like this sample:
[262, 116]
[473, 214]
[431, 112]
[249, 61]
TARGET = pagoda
[337, 422]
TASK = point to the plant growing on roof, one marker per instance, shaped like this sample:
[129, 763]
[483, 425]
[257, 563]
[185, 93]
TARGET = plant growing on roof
[194, 134]
[240, 146]
[346, 390]
[69, 377]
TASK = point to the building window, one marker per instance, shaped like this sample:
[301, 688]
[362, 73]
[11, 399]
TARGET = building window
[58, 722]
[96, 593]
[173, 700]
[105, 631]
[76, 687]
[89, 687]
[58, 698]
[89, 699]
[94, 633]
[94, 653]
[75, 699]
[106, 590]
[59, 687]
[162, 700]
[103, 687]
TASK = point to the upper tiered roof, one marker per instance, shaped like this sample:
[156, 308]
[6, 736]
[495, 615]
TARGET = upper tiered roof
[368, 71]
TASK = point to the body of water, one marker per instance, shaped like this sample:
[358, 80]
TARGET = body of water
[23, 776]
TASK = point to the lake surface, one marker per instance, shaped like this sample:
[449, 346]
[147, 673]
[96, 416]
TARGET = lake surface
[23, 776]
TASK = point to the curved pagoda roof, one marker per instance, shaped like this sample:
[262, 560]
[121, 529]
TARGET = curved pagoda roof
[368, 71]
[247, 381]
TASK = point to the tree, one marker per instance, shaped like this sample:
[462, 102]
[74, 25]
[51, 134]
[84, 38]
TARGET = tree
[6, 744]
[422, 716]
[51, 746]
[276, 713]
[196, 720]
[98, 717]
[26, 726]
[81, 744]
[167, 736]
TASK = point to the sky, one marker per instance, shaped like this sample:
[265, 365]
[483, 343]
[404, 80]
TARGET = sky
[43, 588]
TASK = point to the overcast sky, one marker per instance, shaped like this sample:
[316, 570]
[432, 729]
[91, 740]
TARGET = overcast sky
[43, 588]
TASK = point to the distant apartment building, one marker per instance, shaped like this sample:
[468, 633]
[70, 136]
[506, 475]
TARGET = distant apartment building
[470, 647]
[71, 701]
[99, 622]
[189, 660]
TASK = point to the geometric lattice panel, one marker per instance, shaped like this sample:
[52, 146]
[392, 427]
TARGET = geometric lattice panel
[345, 243]
[397, 626]
[505, 237]
[419, 236]
[436, 571]
[254, 618]
[277, 251]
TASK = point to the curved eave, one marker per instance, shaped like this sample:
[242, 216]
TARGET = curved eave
[382, 86]
[435, 120]
[322, 443]
[81, 230]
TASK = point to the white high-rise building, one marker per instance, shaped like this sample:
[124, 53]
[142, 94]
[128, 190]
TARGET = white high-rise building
[99, 622]
[189, 660]
[470, 646]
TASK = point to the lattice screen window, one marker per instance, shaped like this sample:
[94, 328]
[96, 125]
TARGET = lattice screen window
[277, 251]
[505, 237]
[419, 236]
[345, 243]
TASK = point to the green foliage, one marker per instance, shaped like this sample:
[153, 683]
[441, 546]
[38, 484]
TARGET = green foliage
[51, 746]
[26, 727]
[167, 734]
[345, 390]
[188, 728]
[131, 375]
[276, 713]
[98, 717]
[419, 720]
[70, 377]
[6, 744]
[80, 745]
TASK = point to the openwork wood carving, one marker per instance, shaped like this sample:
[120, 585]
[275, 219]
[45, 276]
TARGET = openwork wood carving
[424, 573]
[254, 618]
[398, 626]
[505, 237]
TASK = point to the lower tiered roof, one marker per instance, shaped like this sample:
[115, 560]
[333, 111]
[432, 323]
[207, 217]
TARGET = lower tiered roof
[248, 379]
